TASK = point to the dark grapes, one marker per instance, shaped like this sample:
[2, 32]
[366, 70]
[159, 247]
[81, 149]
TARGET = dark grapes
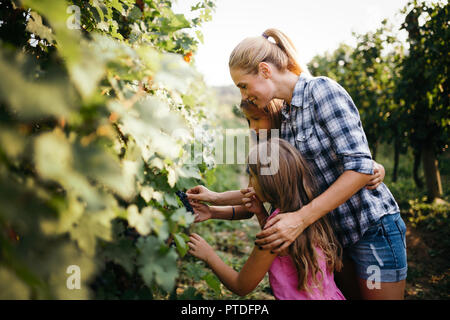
[184, 200]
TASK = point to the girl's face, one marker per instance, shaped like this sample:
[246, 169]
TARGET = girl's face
[257, 119]
[254, 87]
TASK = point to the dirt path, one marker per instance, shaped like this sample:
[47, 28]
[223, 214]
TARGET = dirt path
[428, 266]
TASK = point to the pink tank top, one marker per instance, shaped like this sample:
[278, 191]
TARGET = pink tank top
[284, 280]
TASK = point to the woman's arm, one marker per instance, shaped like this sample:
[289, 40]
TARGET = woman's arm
[283, 229]
[378, 176]
[242, 282]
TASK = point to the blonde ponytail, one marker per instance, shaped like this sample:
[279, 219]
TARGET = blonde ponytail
[250, 52]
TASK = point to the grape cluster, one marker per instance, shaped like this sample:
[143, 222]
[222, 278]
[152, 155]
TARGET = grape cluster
[184, 200]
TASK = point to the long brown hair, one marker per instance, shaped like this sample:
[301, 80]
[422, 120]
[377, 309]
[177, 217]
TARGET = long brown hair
[250, 52]
[290, 188]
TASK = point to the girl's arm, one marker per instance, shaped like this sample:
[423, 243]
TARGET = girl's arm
[227, 198]
[226, 213]
[204, 212]
[240, 283]
[253, 204]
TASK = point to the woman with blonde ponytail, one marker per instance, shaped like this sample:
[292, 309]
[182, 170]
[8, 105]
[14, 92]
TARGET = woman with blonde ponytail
[256, 59]
[320, 119]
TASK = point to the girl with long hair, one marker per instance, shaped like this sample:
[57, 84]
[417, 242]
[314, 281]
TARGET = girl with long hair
[305, 270]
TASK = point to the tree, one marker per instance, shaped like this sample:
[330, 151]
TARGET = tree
[367, 73]
[423, 89]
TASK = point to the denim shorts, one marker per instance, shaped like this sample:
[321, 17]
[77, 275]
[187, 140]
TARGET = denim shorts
[381, 252]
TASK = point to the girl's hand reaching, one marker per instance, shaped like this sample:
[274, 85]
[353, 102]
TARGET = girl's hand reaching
[254, 205]
[201, 193]
[251, 201]
[202, 212]
[199, 247]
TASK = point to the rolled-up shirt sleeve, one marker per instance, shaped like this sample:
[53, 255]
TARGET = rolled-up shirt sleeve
[337, 114]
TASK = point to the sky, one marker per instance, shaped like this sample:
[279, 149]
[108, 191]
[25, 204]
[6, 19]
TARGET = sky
[315, 26]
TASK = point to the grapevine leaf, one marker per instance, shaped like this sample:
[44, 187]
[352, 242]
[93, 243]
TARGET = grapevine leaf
[122, 252]
[213, 282]
[182, 217]
[90, 227]
[30, 99]
[156, 266]
[181, 244]
[150, 219]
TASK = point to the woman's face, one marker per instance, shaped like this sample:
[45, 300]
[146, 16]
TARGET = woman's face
[254, 87]
[257, 119]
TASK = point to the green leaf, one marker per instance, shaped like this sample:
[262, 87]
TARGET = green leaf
[189, 171]
[171, 200]
[173, 22]
[184, 184]
[122, 252]
[213, 282]
[155, 266]
[118, 6]
[33, 99]
[86, 70]
[103, 167]
[90, 227]
[182, 217]
[150, 219]
[182, 246]
[150, 124]
[195, 271]
[171, 177]
[134, 14]
[54, 160]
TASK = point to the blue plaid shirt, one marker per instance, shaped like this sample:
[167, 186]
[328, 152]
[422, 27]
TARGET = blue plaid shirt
[323, 123]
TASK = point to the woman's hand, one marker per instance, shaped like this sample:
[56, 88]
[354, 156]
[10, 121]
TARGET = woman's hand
[377, 177]
[280, 231]
[201, 193]
[199, 247]
[202, 212]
